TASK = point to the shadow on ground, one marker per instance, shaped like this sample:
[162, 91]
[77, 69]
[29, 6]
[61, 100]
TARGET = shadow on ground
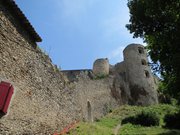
[1, 114]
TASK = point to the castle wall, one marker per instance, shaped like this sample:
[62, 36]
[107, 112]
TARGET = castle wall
[42, 101]
[120, 67]
[96, 91]
[120, 87]
[46, 99]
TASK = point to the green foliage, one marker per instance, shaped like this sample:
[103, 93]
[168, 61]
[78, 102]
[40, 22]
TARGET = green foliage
[145, 118]
[107, 108]
[158, 23]
[163, 95]
[91, 129]
[100, 76]
[161, 110]
[172, 120]
[107, 124]
[166, 99]
[129, 129]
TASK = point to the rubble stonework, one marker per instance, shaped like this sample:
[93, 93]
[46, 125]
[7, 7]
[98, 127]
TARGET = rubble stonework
[42, 102]
[139, 77]
[46, 99]
[101, 67]
[134, 81]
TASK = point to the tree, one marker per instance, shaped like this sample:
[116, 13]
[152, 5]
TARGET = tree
[158, 23]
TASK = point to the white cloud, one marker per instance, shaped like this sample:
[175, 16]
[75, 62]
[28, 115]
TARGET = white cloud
[116, 54]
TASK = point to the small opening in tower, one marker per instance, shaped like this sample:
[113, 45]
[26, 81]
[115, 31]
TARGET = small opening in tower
[147, 74]
[141, 50]
[143, 62]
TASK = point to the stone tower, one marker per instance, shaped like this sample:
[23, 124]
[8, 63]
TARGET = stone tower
[141, 81]
[101, 67]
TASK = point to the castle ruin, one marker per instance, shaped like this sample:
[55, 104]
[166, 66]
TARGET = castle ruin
[47, 99]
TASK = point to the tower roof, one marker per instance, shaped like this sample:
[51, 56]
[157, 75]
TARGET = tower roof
[19, 15]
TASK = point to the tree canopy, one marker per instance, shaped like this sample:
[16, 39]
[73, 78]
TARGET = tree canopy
[158, 23]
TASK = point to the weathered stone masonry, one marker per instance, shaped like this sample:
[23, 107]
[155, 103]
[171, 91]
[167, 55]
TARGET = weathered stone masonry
[41, 102]
[44, 100]
[47, 99]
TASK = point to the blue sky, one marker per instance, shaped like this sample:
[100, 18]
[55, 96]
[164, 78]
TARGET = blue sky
[77, 32]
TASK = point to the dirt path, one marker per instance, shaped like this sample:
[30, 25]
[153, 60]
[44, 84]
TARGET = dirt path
[117, 129]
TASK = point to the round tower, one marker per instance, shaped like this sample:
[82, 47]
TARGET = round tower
[141, 81]
[101, 67]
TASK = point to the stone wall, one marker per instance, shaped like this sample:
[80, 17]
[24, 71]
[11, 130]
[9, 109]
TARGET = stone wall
[120, 89]
[46, 99]
[96, 91]
[42, 102]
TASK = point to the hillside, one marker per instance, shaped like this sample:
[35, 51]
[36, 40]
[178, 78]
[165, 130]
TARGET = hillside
[111, 123]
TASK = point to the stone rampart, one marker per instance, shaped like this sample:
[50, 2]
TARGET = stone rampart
[42, 101]
[47, 99]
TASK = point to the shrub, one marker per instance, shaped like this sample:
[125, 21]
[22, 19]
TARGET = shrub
[130, 119]
[172, 121]
[100, 76]
[166, 99]
[143, 119]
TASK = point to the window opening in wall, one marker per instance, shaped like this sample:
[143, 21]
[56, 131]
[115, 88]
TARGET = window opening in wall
[143, 62]
[147, 74]
[141, 50]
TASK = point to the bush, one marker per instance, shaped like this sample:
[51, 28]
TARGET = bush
[166, 99]
[172, 121]
[143, 119]
[130, 119]
[100, 76]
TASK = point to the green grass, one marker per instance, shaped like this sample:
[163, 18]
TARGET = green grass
[129, 129]
[107, 124]
[91, 129]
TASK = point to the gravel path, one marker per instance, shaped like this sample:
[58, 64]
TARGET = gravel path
[117, 129]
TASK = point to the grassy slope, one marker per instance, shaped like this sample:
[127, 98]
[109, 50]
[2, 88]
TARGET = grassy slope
[106, 125]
